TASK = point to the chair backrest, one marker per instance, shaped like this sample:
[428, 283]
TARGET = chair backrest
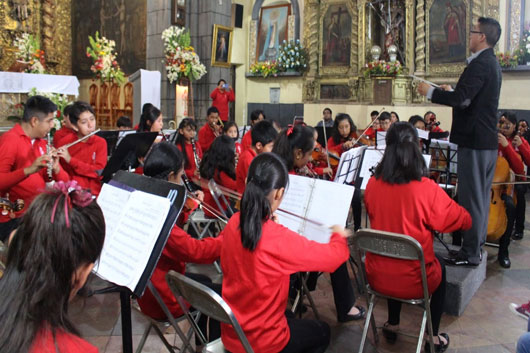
[206, 301]
[128, 93]
[222, 203]
[103, 96]
[93, 92]
[115, 96]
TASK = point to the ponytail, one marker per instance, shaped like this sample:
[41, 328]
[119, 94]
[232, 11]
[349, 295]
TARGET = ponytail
[266, 173]
[291, 138]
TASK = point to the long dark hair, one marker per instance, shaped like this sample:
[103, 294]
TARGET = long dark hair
[291, 138]
[267, 172]
[182, 141]
[338, 118]
[149, 115]
[227, 127]
[41, 261]
[221, 157]
[512, 118]
[402, 161]
[163, 159]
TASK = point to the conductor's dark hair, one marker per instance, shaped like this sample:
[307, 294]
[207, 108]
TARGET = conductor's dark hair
[41, 262]
[228, 125]
[396, 114]
[78, 108]
[512, 118]
[124, 121]
[402, 161]
[181, 140]
[263, 132]
[163, 159]
[212, 110]
[292, 138]
[267, 172]
[384, 116]
[39, 107]
[340, 117]
[491, 29]
[149, 115]
[254, 116]
[220, 157]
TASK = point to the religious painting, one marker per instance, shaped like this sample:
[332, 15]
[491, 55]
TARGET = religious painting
[221, 45]
[123, 21]
[335, 92]
[178, 12]
[336, 36]
[272, 31]
[447, 31]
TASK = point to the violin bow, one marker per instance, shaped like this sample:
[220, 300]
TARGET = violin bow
[369, 126]
[325, 141]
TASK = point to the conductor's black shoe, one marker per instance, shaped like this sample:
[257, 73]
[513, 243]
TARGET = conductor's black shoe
[517, 235]
[348, 317]
[504, 261]
[438, 348]
[390, 335]
[456, 261]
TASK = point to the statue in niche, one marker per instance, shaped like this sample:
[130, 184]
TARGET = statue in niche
[20, 12]
[388, 26]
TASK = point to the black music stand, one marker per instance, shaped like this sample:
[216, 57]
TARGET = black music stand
[321, 138]
[127, 151]
[176, 193]
[111, 136]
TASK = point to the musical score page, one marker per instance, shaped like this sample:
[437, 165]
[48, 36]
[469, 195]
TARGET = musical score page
[134, 232]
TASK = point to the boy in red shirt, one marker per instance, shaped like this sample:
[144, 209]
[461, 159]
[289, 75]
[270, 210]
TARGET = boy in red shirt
[66, 129]
[263, 136]
[255, 117]
[210, 130]
[23, 161]
[222, 95]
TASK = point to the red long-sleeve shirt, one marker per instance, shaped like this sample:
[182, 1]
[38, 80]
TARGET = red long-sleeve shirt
[256, 283]
[246, 141]
[242, 168]
[191, 167]
[221, 179]
[514, 159]
[416, 209]
[62, 133]
[44, 342]
[221, 100]
[524, 151]
[206, 137]
[180, 248]
[86, 159]
[17, 153]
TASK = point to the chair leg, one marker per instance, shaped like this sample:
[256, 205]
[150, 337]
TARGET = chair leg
[310, 298]
[367, 322]
[144, 338]
[429, 326]
[422, 332]
[164, 341]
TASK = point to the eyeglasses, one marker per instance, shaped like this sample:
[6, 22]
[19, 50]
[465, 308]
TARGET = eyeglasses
[476, 32]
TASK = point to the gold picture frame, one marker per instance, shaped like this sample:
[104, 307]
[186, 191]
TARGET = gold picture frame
[221, 46]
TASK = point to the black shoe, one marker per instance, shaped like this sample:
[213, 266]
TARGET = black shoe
[438, 348]
[348, 317]
[517, 235]
[504, 261]
[390, 335]
[456, 261]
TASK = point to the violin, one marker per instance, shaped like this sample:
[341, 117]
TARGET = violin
[9, 208]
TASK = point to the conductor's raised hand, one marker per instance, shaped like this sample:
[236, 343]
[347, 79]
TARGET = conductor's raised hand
[423, 88]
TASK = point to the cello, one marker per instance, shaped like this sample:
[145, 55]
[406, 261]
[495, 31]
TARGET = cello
[497, 219]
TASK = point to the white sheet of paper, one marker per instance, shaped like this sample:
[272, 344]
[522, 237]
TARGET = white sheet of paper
[423, 134]
[371, 158]
[112, 201]
[380, 138]
[352, 156]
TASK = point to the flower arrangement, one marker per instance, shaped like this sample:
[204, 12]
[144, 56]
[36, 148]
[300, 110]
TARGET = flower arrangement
[382, 68]
[507, 60]
[292, 56]
[105, 66]
[181, 59]
[60, 100]
[265, 69]
[29, 53]
[524, 48]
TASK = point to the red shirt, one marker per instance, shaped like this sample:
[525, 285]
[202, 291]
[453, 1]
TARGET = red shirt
[524, 151]
[86, 159]
[64, 342]
[180, 248]
[513, 158]
[62, 133]
[246, 141]
[336, 147]
[416, 209]
[18, 153]
[370, 133]
[191, 167]
[239, 148]
[221, 100]
[256, 283]
[242, 168]
[222, 179]
[206, 137]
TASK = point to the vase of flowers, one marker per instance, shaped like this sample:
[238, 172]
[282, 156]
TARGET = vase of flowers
[265, 69]
[105, 66]
[181, 59]
[30, 54]
[507, 60]
[292, 56]
[382, 68]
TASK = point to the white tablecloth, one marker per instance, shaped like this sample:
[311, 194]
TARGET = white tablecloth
[17, 82]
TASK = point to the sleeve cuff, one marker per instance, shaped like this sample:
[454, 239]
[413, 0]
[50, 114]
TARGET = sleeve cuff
[429, 94]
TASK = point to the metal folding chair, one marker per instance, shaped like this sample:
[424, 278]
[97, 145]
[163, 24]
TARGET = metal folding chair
[220, 200]
[209, 303]
[396, 246]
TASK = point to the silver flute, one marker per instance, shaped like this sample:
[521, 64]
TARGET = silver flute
[50, 163]
[195, 155]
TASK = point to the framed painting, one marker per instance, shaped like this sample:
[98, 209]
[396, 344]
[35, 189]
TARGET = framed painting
[336, 36]
[178, 12]
[272, 30]
[221, 46]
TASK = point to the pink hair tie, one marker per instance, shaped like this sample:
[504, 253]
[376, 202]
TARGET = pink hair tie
[73, 194]
[290, 129]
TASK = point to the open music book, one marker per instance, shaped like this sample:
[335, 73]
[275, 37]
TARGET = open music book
[320, 201]
[349, 165]
[133, 222]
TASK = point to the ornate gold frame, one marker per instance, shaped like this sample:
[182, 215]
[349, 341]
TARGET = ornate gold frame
[214, 46]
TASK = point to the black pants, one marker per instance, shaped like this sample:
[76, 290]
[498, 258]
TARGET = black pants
[520, 209]
[504, 241]
[307, 336]
[357, 208]
[7, 227]
[209, 327]
[437, 304]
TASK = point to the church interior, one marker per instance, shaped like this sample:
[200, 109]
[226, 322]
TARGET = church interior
[292, 60]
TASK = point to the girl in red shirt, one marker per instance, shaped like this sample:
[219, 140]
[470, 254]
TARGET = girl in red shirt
[231, 130]
[219, 164]
[419, 206]
[258, 256]
[50, 256]
[151, 119]
[190, 149]
[221, 96]
[86, 159]
[522, 128]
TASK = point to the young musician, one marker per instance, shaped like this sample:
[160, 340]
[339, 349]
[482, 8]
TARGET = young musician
[219, 164]
[258, 256]
[151, 119]
[370, 132]
[50, 256]
[211, 129]
[418, 122]
[394, 117]
[295, 146]
[385, 120]
[66, 129]
[432, 124]
[255, 117]
[222, 95]
[344, 135]
[85, 159]
[191, 150]
[231, 130]
[520, 142]
[263, 136]
[327, 118]
[320, 165]
[165, 161]
[24, 162]
[419, 206]
[124, 123]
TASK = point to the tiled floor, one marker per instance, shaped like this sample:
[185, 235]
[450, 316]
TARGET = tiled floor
[487, 324]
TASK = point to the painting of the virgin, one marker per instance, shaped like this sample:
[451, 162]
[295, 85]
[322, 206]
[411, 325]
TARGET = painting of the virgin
[272, 31]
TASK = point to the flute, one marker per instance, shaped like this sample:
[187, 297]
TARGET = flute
[80, 140]
[50, 163]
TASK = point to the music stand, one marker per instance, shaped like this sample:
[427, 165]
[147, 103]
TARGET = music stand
[321, 138]
[111, 136]
[349, 166]
[449, 151]
[126, 154]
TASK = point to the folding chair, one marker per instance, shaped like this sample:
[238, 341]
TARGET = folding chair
[396, 246]
[220, 200]
[209, 303]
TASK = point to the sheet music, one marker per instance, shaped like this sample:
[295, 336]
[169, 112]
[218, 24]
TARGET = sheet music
[371, 158]
[134, 233]
[380, 139]
[423, 134]
[111, 200]
[349, 165]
